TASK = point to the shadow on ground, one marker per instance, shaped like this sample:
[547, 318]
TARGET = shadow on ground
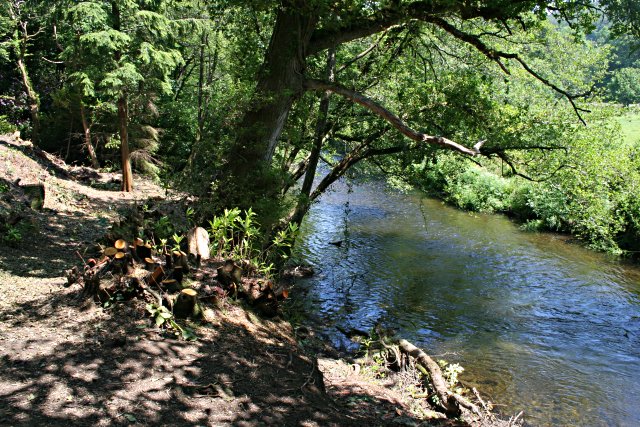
[65, 366]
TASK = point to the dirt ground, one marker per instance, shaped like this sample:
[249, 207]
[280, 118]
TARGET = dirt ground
[66, 362]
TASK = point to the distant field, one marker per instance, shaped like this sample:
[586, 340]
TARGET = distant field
[631, 126]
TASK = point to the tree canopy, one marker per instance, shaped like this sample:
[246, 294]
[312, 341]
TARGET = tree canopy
[242, 100]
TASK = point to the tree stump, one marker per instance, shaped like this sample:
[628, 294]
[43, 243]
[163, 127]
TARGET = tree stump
[178, 274]
[143, 251]
[229, 274]
[180, 260]
[110, 252]
[187, 305]
[171, 285]
[150, 264]
[120, 245]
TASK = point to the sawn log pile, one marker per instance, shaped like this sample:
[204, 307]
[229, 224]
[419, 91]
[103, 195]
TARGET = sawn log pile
[172, 278]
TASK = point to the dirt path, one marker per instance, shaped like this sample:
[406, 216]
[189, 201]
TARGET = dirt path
[63, 362]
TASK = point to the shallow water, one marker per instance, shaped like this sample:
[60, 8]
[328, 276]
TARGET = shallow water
[539, 324]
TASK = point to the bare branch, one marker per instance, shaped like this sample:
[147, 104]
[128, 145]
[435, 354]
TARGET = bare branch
[394, 120]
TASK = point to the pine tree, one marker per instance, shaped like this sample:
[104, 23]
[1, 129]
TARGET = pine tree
[123, 54]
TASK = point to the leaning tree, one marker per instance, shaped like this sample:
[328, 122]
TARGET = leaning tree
[305, 30]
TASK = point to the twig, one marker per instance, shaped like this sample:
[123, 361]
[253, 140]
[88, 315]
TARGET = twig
[512, 420]
[484, 405]
[80, 256]
[308, 377]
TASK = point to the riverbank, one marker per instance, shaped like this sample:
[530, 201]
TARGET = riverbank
[69, 362]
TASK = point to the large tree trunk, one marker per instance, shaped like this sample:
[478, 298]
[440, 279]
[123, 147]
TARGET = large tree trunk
[279, 84]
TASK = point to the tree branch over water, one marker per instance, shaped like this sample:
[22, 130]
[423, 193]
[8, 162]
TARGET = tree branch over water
[395, 121]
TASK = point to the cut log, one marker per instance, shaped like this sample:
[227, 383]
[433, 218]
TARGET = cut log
[137, 242]
[168, 260]
[144, 251]
[120, 245]
[110, 251]
[171, 285]
[445, 397]
[150, 264]
[229, 273]
[180, 260]
[178, 274]
[198, 239]
[155, 278]
[122, 263]
[258, 289]
[187, 305]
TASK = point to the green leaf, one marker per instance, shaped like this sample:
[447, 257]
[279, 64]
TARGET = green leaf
[131, 418]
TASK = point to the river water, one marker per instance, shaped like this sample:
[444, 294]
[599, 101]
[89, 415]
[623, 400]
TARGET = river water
[539, 324]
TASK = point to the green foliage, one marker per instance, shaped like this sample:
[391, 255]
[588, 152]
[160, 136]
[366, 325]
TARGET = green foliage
[163, 228]
[5, 126]
[479, 190]
[591, 194]
[177, 239]
[163, 317]
[630, 126]
[236, 234]
[451, 371]
[624, 85]
[11, 236]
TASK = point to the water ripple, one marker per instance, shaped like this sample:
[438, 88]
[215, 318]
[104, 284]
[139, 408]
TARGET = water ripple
[539, 324]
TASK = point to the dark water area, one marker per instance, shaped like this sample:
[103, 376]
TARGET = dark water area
[539, 324]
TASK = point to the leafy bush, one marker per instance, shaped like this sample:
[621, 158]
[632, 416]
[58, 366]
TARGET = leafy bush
[236, 234]
[480, 190]
[592, 194]
[5, 126]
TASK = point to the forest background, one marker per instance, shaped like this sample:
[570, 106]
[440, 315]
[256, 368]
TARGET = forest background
[525, 108]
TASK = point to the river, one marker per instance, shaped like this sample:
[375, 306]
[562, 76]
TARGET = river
[540, 325]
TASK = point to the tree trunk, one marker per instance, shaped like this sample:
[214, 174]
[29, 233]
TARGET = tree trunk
[32, 97]
[279, 84]
[87, 138]
[127, 174]
[123, 115]
[304, 202]
[204, 40]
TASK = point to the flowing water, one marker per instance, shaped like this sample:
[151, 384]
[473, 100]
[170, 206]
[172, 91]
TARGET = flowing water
[539, 324]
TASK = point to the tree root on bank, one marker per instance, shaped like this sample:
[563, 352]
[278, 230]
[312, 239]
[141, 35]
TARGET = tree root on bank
[449, 401]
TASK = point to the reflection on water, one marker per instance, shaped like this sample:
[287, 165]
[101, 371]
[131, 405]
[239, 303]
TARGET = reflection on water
[540, 325]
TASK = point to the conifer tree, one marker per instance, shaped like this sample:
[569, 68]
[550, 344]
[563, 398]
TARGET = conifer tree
[123, 54]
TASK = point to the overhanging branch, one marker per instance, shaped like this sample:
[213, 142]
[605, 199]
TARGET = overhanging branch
[497, 55]
[387, 115]
[363, 26]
